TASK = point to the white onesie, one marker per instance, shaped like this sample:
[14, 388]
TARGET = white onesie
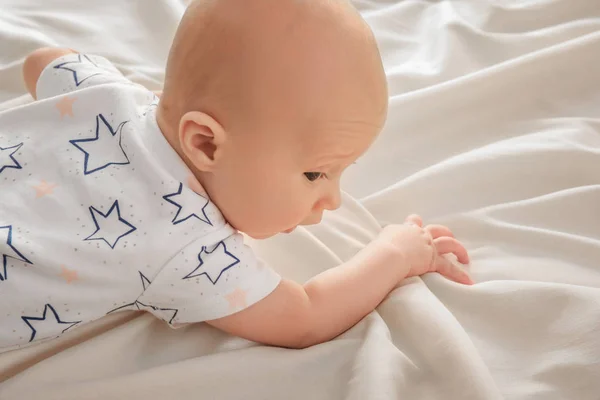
[98, 214]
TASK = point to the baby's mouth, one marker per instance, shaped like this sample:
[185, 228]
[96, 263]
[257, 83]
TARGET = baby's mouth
[289, 230]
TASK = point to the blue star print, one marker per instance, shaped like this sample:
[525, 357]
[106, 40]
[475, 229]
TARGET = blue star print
[113, 228]
[187, 204]
[84, 63]
[167, 314]
[10, 251]
[220, 260]
[7, 157]
[46, 326]
[104, 149]
[145, 281]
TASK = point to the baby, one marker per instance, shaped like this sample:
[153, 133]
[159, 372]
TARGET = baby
[113, 200]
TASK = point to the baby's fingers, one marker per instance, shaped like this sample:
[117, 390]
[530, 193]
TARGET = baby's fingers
[414, 219]
[437, 231]
[444, 245]
[453, 271]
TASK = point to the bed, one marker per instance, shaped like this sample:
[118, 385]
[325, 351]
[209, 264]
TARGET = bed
[493, 129]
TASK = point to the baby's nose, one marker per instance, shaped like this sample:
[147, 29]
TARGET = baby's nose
[333, 200]
[329, 201]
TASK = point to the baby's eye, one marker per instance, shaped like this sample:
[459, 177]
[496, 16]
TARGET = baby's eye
[313, 176]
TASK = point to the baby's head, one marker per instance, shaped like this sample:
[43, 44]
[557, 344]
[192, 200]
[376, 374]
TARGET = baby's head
[268, 101]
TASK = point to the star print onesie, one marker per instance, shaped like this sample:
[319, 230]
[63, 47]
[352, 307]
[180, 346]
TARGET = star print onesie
[98, 214]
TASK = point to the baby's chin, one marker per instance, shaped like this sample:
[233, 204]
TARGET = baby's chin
[262, 236]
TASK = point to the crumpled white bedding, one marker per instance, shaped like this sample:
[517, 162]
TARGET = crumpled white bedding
[494, 130]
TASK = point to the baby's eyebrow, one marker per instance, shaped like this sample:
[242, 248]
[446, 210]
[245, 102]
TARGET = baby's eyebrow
[332, 160]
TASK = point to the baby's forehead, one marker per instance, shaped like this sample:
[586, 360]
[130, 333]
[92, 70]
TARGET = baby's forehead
[336, 143]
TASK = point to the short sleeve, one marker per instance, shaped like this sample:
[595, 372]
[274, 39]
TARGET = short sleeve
[207, 281]
[76, 71]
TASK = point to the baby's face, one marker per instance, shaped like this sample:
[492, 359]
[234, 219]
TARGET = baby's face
[273, 182]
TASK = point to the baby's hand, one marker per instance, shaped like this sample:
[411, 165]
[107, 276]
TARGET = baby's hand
[423, 248]
[300, 316]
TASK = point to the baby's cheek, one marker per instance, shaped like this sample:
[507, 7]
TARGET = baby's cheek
[269, 205]
[298, 211]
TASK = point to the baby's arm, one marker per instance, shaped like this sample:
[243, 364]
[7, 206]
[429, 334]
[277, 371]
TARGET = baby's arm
[36, 62]
[299, 316]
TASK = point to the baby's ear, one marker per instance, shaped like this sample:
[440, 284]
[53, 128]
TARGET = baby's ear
[201, 137]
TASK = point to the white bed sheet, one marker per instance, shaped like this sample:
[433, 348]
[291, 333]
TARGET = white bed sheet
[494, 129]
